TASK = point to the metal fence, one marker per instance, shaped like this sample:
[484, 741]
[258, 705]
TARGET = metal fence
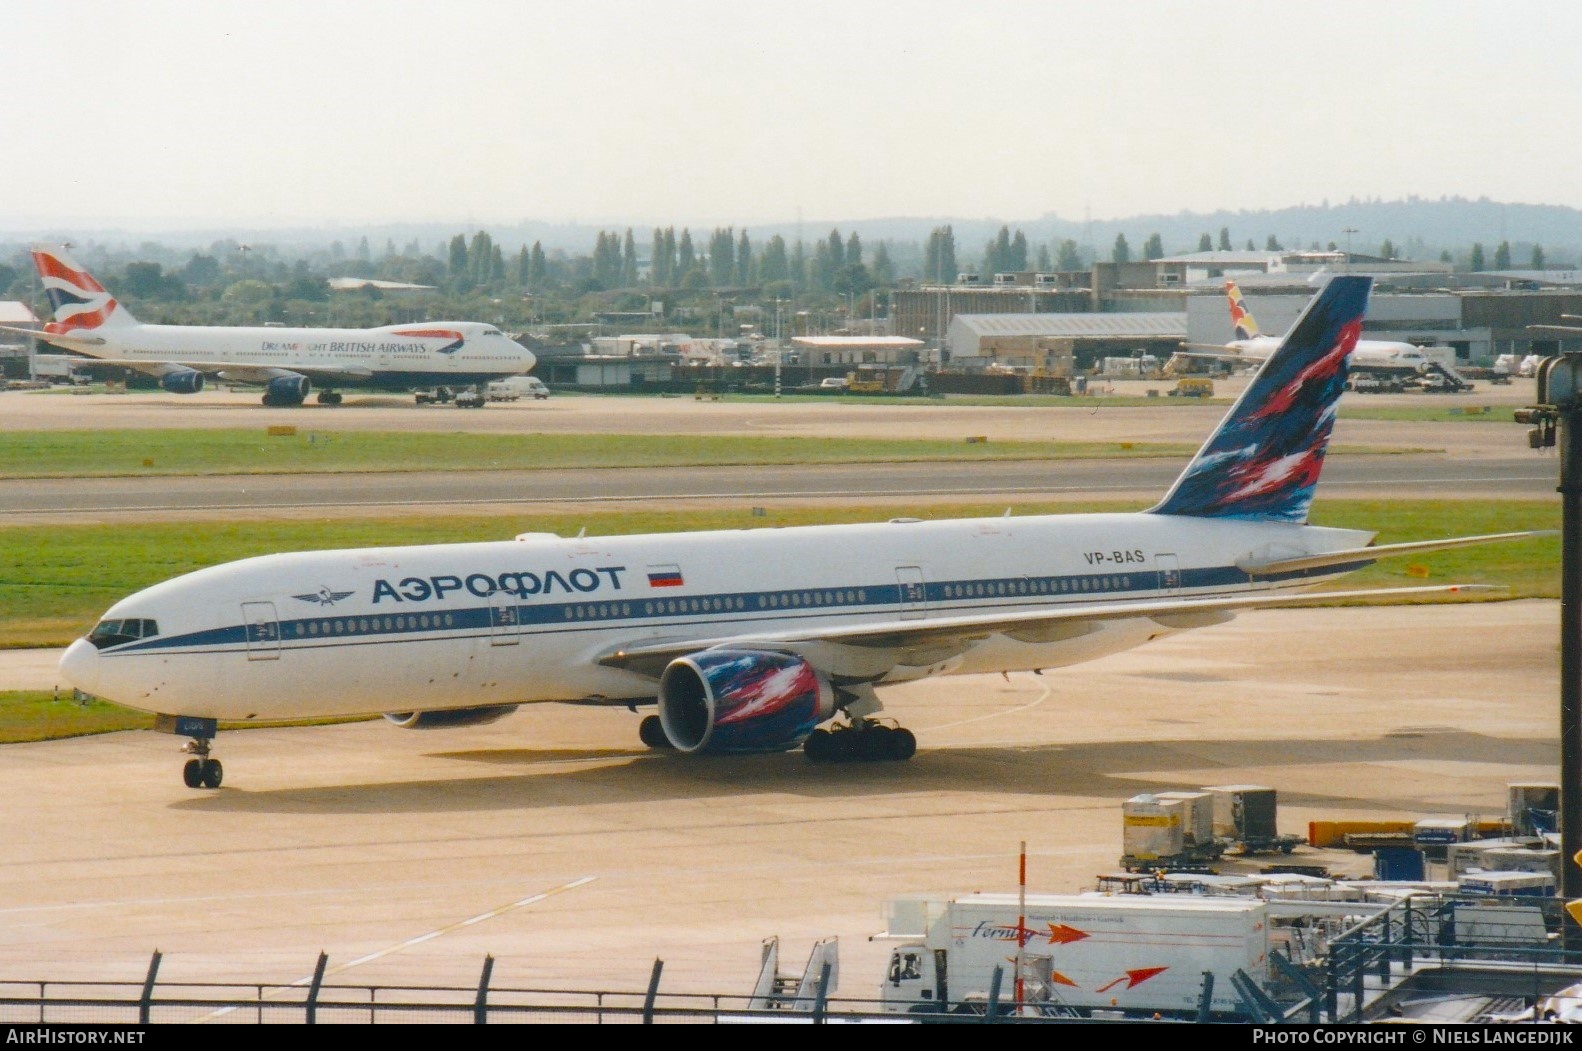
[1503, 950]
[1468, 946]
[150, 1003]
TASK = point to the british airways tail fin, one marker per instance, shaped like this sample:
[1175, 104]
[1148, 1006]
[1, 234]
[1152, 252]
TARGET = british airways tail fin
[1241, 321]
[1264, 459]
[81, 305]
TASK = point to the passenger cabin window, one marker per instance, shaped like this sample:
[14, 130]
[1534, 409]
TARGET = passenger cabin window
[115, 632]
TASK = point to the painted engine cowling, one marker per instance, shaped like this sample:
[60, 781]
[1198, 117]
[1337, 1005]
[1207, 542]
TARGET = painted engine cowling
[742, 701]
[440, 720]
[182, 381]
[287, 390]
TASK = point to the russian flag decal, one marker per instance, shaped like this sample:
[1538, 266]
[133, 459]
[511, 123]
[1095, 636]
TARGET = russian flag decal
[664, 577]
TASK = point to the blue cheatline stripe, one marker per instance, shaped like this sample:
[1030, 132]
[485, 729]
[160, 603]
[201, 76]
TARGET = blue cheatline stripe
[955, 596]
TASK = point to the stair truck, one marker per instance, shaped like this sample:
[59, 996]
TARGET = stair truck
[1176, 955]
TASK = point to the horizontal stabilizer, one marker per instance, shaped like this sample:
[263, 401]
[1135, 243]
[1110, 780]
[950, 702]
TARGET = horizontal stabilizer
[62, 338]
[1273, 567]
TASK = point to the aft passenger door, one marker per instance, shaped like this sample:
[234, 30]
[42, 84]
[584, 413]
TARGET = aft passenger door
[1169, 573]
[912, 592]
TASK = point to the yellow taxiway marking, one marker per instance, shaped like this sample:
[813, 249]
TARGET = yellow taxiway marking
[533, 899]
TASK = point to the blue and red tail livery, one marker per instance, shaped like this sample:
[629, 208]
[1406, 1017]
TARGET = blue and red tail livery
[1263, 461]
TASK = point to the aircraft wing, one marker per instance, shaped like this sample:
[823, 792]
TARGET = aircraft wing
[930, 641]
[1214, 350]
[1375, 368]
[238, 372]
[244, 373]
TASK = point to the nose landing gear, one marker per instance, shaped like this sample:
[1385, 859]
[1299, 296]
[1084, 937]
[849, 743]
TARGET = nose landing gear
[201, 771]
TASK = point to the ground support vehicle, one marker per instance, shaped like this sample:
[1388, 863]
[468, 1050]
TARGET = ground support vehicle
[1139, 954]
[1192, 387]
[470, 398]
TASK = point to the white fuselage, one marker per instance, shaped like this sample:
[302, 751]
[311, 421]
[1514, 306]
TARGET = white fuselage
[1368, 354]
[398, 355]
[462, 625]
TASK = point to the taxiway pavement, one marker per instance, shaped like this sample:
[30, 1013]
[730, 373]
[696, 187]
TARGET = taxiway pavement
[408, 856]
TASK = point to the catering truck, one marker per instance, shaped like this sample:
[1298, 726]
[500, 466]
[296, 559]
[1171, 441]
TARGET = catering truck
[1083, 953]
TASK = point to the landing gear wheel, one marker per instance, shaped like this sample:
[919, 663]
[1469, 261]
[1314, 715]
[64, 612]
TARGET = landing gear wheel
[902, 744]
[652, 732]
[201, 771]
[329, 397]
[819, 746]
[269, 399]
[873, 742]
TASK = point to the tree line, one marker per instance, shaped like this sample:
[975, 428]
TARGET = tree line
[476, 276]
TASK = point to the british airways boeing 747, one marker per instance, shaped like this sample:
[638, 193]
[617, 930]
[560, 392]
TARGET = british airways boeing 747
[757, 640]
[286, 362]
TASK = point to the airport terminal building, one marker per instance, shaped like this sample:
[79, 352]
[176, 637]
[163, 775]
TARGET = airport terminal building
[1151, 307]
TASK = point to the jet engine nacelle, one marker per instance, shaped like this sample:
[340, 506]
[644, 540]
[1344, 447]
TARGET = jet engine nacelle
[742, 701]
[287, 390]
[182, 381]
[439, 720]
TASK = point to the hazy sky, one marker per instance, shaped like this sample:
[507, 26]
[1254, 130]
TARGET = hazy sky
[160, 114]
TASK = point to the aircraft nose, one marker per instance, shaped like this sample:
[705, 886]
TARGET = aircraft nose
[79, 665]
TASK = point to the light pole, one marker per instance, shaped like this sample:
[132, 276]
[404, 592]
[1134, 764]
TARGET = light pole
[1557, 419]
[1348, 231]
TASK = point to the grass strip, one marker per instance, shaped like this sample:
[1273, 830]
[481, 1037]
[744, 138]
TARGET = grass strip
[152, 453]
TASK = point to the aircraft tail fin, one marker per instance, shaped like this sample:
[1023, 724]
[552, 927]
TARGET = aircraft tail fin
[80, 304]
[1263, 460]
[1241, 319]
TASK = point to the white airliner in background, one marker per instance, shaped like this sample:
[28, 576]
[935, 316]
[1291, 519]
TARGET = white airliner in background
[1251, 346]
[749, 640]
[286, 362]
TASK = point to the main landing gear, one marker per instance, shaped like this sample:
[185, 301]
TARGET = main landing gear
[860, 741]
[329, 397]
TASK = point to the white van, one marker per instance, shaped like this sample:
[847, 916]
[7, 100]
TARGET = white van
[514, 387]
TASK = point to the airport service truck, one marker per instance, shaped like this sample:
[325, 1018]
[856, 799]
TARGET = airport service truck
[1083, 953]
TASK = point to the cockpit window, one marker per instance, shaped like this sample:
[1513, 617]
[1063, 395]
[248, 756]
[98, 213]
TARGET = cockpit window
[115, 632]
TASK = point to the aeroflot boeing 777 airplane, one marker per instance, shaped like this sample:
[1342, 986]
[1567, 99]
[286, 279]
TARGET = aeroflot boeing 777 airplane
[286, 362]
[750, 640]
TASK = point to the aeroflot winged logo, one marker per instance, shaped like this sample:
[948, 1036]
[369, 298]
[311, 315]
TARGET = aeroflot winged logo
[456, 338]
[77, 299]
[325, 597]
